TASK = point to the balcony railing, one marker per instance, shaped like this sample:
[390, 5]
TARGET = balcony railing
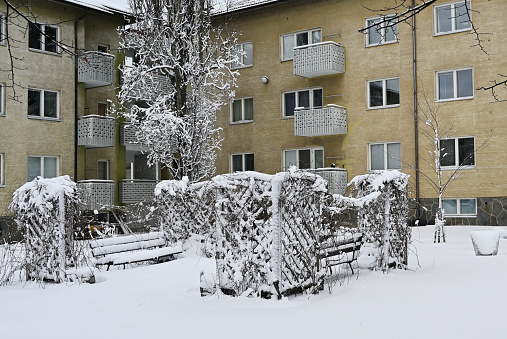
[335, 177]
[96, 69]
[327, 120]
[136, 190]
[323, 58]
[95, 131]
[154, 84]
[95, 194]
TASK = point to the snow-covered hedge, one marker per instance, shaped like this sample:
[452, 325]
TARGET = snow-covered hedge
[45, 210]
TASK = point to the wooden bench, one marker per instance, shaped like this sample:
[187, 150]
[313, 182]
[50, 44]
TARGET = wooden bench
[341, 249]
[132, 248]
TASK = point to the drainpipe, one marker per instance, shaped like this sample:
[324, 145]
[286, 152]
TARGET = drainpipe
[416, 117]
[76, 61]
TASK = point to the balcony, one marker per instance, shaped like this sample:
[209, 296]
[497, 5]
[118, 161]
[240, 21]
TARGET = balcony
[95, 131]
[95, 194]
[327, 120]
[136, 190]
[323, 58]
[96, 69]
[128, 137]
[154, 85]
[335, 177]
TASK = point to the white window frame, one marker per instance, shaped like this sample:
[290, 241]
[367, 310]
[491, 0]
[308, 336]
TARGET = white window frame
[241, 62]
[43, 39]
[382, 24]
[243, 120]
[452, 15]
[457, 154]
[455, 84]
[311, 91]
[2, 170]
[2, 29]
[107, 168]
[41, 104]
[2, 99]
[386, 157]
[458, 208]
[242, 160]
[312, 156]
[384, 93]
[294, 35]
[42, 157]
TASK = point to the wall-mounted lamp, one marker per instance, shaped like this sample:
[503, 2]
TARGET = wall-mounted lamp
[264, 79]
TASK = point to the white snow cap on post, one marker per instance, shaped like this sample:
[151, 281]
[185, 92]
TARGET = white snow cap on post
[485, 242]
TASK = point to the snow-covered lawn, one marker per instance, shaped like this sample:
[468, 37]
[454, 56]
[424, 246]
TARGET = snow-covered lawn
[453, 294]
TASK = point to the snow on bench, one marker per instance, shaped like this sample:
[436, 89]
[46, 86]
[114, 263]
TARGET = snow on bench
[341, 249]
[133, 248]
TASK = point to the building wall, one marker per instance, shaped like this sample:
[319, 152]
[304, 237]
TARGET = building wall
[340, 20]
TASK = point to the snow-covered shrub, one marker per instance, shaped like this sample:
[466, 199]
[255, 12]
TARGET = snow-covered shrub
[382, 215]
[45, 210]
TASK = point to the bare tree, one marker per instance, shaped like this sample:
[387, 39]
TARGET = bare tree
[179, 80]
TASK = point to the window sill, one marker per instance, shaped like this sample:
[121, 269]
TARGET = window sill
[287, 117]
[2, 115]
[2, 186]
[43, 118]
[382, 107]
[44, 52]
[285, 60]
[242, 122]
[454, 99]
[460, 215]
[382, 44]
[452, 32]
[242, 67]
[453, 168]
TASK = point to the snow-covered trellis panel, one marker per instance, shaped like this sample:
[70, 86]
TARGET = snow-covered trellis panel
[45, 210]
[382, 215]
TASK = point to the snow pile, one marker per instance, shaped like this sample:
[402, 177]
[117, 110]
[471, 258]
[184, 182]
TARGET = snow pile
[45, 209]
[485, 242]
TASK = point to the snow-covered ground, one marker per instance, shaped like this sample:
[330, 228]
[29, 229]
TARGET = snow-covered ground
[452, 294]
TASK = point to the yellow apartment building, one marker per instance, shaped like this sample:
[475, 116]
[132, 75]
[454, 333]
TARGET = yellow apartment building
[315, 92]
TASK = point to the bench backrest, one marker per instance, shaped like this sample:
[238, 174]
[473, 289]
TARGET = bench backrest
[101, 247]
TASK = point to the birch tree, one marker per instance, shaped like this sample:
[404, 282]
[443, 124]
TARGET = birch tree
[178, 81]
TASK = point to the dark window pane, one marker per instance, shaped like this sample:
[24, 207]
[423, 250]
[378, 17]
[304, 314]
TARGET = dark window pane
[304, 99]
[304, 159]
[443, 17]
[468, 206]
[466, 151]
[465, 88]
[450, 206]
[392, 31]
[34, 36]
[447, 152]
[34, 102]
[50, 39]
[394, 156]
[50, 167]
[236, 110]
[50, 104]
[290, 103]
[103, 49]
[248, 57]
[302, 39]
[318, 155]
[393, 91]
[33, 168]
[376, 94]
[249, 162]
[317, 98]
[102, 170]
[248, 105]
[445, 86]
[237, 163]
[377, 157]
[462, 18]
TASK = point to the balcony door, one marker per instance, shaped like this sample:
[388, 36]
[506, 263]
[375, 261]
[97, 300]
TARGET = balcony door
[138, 168]
[304, 158]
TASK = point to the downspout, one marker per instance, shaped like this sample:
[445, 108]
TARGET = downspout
[416, 116]
[76, 61]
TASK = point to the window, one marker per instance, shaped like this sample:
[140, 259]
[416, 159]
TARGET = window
[242, 162]
[102, 108]
[42, 103]
[43, 37]
[2, 90]
[455, 84]
[385, 156]
[452, 17]
[457, 152]
[46, 167]
[289, 41]
[103, 169]
[242, 110]
[383, 93]
[103, 48]
[245, 55]
[2, 28]
[304, 158]
[383, 32]
[306, 98]
[462, 206]
[2, 182]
